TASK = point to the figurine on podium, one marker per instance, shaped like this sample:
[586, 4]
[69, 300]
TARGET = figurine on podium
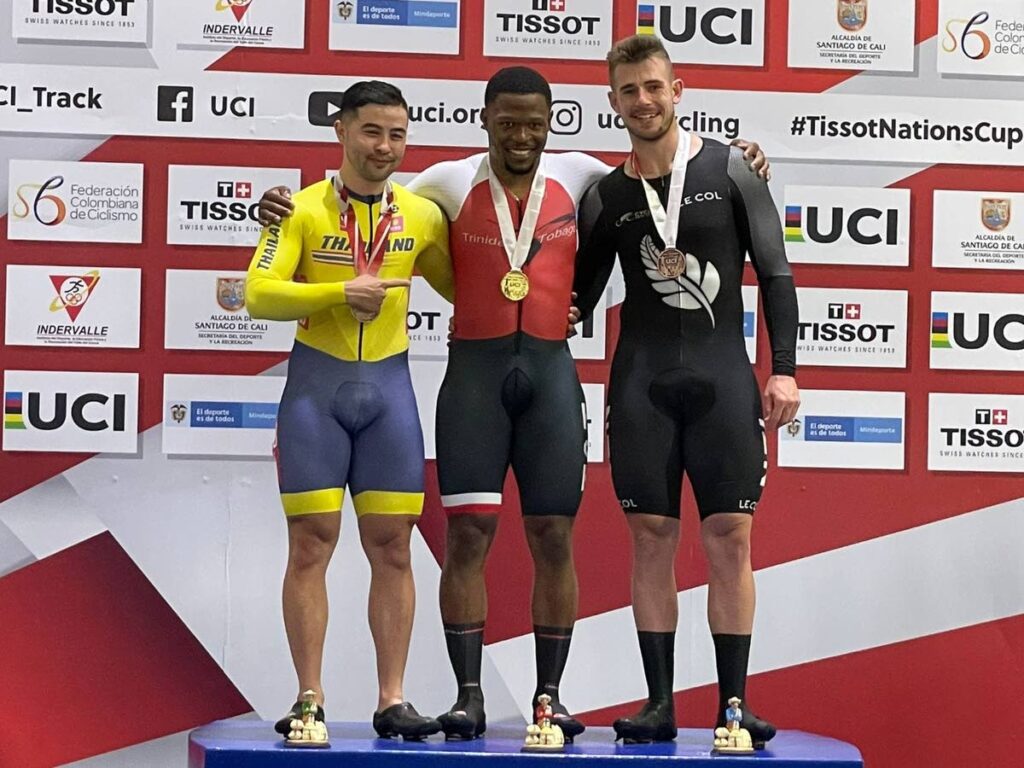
[542, 735]
[308, 732]
[733, 739]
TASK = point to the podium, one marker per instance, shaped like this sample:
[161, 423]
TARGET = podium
[253, 744]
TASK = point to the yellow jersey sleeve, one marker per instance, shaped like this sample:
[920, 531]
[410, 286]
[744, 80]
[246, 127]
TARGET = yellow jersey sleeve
[434, 261]
[270, 291]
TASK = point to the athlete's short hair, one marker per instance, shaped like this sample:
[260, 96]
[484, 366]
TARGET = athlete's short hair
[633, 50]
[518, 80]
[371, 92]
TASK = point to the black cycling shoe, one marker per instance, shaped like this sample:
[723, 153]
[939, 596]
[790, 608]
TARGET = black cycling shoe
[760, 730]
[465, 720]
[403, 720]
[571, 727]
[655, 722]
[284, 725]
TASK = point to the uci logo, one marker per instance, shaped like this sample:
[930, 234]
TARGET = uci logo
[998, 331]
[719, 26]
[90, 412]
[865, 226]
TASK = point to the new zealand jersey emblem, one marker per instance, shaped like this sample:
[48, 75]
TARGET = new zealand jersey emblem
[694, 288]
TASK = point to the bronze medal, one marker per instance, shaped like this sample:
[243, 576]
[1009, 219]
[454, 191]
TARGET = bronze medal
[515, 285]
[671, 263]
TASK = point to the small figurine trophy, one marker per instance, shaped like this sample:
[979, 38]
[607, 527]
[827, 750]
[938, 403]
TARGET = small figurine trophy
[308, 732]
[733, 739]
[542, 735]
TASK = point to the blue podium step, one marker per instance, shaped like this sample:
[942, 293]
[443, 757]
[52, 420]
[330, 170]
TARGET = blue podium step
[253, 744]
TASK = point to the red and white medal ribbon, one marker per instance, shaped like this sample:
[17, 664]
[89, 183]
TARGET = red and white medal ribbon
[365, 263]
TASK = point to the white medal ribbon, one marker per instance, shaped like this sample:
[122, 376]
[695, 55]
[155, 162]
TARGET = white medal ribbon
[517, 249]
[667, 222]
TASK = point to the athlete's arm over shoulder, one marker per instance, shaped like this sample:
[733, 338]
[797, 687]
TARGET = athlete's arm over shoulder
[576, 170]
[761, 231]
[447, 183]
[595, 256]
[270, 292]
[434, 260]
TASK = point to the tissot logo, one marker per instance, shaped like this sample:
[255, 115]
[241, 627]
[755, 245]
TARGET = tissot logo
[862, 332]
[852, 327]
[551, 24]
[722, 25]
[83, 7]
[970, 432]
[997, 434]
[174, 103]
[230, 204]
[864, 226]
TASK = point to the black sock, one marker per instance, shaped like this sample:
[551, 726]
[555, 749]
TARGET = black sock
[552, 649]
[731, 655]
[465, 651]
[658, 650]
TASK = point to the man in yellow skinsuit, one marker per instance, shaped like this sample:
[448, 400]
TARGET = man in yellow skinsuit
[342, 266]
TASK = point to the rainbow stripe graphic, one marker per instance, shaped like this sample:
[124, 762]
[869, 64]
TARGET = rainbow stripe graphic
[940, 330]
[12, 411]
[645, 19]
[794, 224]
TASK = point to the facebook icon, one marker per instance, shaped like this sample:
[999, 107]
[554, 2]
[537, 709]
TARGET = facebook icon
[174, 103]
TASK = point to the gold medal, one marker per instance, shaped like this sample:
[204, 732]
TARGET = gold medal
[671, 262]
[515, 285]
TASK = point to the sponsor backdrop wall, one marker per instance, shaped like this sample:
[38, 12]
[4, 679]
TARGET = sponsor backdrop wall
[141, 540]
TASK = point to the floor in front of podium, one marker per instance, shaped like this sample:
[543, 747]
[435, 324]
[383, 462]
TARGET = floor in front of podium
[253, 744]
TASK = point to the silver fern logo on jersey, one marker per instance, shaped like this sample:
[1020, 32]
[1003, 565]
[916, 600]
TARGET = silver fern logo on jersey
[694, 288]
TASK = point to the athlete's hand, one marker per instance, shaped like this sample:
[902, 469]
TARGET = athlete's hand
[755, 158]
[780, 401]
[366, 293]
[574, 317]
[451, 327]
[275, 205]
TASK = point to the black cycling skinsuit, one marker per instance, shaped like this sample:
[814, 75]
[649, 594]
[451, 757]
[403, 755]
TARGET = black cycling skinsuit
[682, 393]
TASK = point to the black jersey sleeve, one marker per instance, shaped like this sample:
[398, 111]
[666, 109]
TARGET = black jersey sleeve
[760, 228]
[596, 254]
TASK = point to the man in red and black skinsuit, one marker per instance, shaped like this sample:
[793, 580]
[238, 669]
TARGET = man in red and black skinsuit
[511, 395]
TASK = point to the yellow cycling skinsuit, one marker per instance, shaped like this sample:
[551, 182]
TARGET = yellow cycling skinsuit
[348, 415]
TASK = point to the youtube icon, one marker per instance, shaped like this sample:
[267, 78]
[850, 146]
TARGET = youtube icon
[324, 107]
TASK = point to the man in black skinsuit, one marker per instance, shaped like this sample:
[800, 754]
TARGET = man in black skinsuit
[682, 212]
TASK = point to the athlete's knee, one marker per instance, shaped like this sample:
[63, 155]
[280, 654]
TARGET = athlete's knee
[469, 539]
[385, 540]
[311, 541]
[726, 539]
[550, 539]
[655, 538]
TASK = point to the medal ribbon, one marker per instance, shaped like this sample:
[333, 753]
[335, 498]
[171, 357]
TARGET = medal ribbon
[667, 222]
[517, 249]
[365, 264]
